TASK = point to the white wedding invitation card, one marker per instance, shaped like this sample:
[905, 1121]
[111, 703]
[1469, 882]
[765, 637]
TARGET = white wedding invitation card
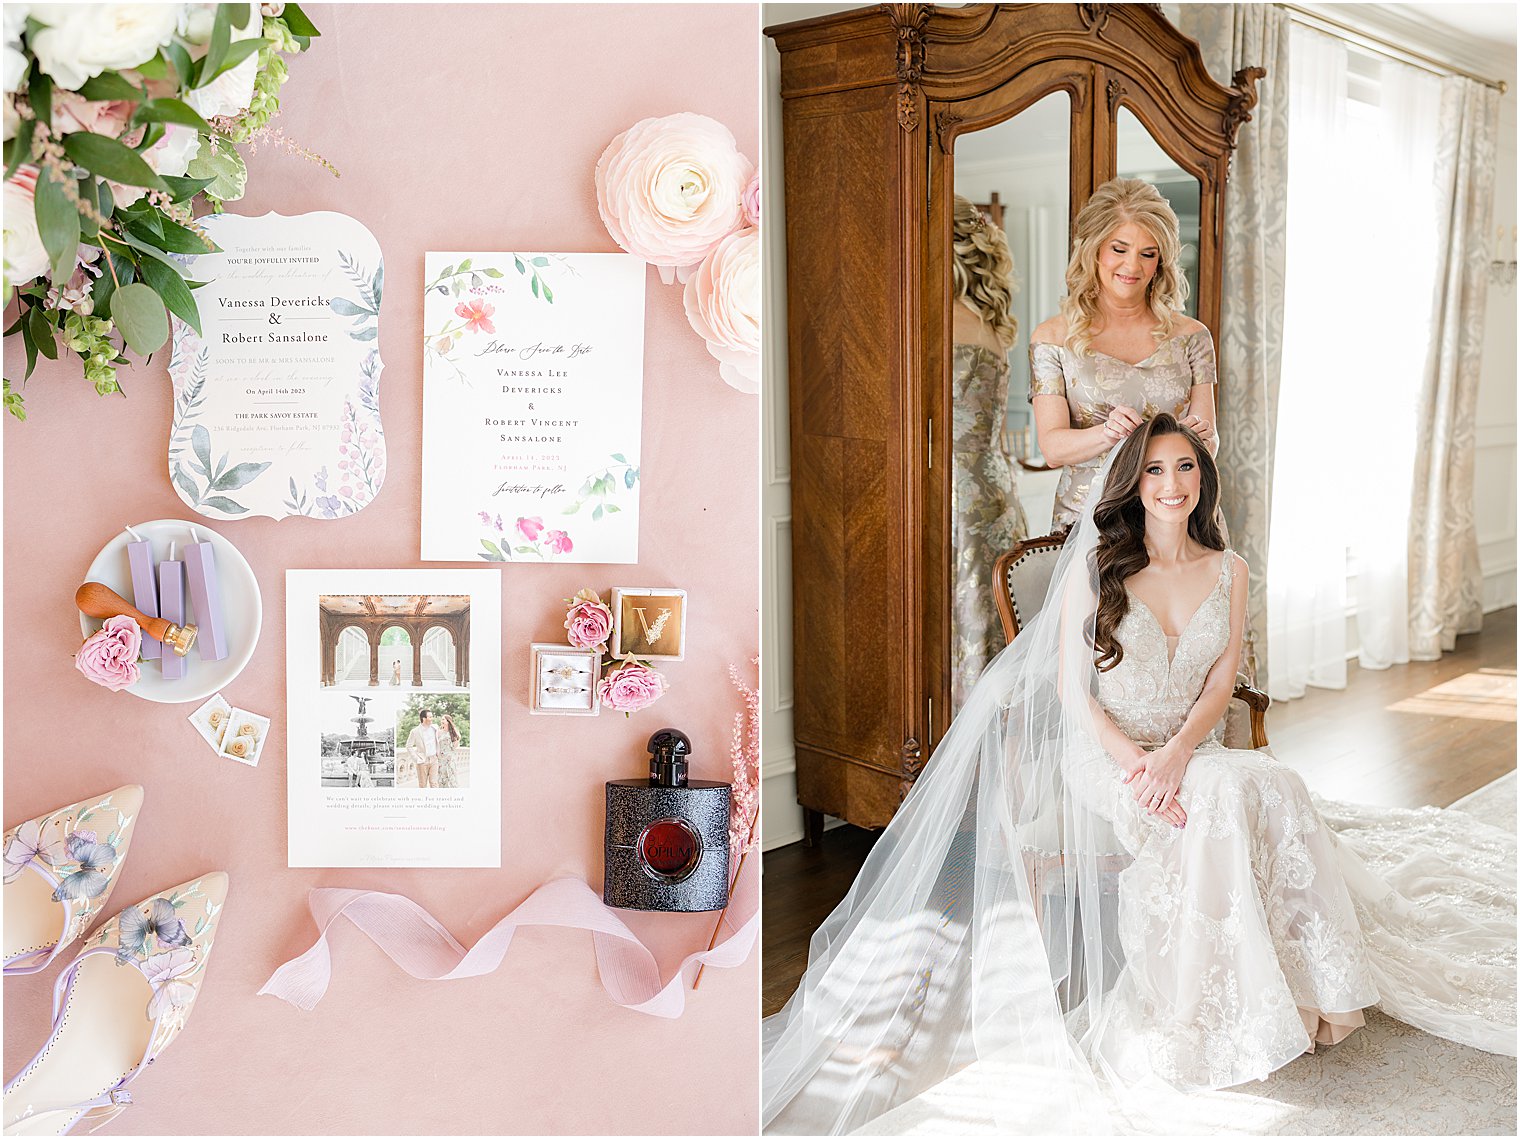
[532, 406]
[277, 395]
[393, 684]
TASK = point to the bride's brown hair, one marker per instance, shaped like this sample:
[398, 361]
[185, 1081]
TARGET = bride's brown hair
[1120, 518]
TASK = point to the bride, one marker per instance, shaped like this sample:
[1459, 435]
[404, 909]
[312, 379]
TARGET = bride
[1087, 884]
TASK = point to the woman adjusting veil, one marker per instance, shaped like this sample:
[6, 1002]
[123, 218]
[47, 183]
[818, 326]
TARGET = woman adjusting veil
[1087, 885]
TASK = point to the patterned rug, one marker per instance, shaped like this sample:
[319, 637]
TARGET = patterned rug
[1387, 1079]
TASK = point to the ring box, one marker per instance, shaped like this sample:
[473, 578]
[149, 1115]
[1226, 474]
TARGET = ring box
[563, 681]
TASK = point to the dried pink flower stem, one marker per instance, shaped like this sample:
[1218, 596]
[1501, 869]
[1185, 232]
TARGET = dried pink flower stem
[744, 751]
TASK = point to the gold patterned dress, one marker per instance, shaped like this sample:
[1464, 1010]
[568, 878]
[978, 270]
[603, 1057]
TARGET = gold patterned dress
[1097, 383]
[984, 503]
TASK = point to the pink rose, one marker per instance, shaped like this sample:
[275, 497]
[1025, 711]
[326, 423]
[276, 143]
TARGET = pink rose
[669, 189]
[751, 201]
[630, 686]
[589, 621]
[110, 656]
[72, 112]
[723, 305]
[530, 528]
[558, 541]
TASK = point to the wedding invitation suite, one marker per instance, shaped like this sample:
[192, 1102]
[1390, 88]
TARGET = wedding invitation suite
[277, 397]
[532, 406]
[393, 739]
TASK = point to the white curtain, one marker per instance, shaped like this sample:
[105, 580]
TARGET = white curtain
[1362, 261]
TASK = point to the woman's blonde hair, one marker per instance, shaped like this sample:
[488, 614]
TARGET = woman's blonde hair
[1114, 203]
[982, 271]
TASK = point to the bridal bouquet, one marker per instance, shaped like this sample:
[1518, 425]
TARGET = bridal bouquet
[119, 120]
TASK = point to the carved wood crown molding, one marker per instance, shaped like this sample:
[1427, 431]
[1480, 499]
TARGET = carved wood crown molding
[1115, 91]
[908, 21]
[912, 757]
[1242, 100]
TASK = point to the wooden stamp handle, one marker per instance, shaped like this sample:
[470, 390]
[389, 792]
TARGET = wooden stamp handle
[97, 600]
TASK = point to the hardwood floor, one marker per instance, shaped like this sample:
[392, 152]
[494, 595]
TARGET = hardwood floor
[1385, 739]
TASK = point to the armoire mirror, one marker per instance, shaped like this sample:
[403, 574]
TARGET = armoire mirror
[887, 113]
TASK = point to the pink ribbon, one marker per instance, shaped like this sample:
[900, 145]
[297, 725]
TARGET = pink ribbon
[414, 940]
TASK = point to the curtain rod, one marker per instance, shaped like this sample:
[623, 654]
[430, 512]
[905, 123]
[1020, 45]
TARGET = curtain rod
[1386, 47]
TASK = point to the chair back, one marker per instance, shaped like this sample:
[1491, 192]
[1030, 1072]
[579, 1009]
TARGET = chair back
[1021, 578]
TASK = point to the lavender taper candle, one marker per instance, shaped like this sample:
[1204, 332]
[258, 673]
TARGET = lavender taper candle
[144, 587]
[205, 598]
[171, 607]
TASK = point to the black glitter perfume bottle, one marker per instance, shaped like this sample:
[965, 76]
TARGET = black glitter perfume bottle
[667, 836]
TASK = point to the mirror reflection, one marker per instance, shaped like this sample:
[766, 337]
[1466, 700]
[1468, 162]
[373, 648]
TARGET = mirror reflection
[1140, 156]
[1012, 185]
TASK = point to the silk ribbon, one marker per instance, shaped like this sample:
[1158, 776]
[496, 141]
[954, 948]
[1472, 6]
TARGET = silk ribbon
[416, 941]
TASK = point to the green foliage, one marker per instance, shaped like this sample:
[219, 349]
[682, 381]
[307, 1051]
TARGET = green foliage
[127, 305]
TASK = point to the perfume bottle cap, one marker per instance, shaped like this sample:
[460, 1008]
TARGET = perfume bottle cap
[668, 749]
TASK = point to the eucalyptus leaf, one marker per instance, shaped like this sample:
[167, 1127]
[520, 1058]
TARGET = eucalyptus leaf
[239, 476]
[110, 159]
[171, 111]
[596, 515]
[235, 55]
[298, 22]
[548, 294]
[216, 50]
[179, 57]
[41, 331]
[365, 334]
[183, 189]
[630, 477]
[225, 505]
[110, 85]
[378, 285]
[200, 443]
[139, 313]
[225, 168]
[493, 272]
[491, 546]
[617, 458]
[344, 307]
[465, 264]
[172, 288]
[541, 262]
[20, 147]
[57, 225]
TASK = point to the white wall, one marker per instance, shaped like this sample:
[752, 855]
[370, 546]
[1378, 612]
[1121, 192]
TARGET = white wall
[1496, 464]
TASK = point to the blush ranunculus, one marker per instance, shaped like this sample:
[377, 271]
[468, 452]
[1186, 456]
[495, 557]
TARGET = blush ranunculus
[588, 622]
[630, 687]
[751, 201]
[530, 528]
[669, 189]
[723, 305]
[25, 257]
[109, 658]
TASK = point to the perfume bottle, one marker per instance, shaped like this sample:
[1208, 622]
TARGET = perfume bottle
[667, 836]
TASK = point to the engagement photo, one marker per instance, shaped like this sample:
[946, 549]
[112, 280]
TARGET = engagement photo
[398, 643]
[434, 730]
[359, 740]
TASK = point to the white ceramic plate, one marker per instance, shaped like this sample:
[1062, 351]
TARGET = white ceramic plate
[244, 609]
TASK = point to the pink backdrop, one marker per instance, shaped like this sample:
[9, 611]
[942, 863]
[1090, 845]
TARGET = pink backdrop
[464, 127]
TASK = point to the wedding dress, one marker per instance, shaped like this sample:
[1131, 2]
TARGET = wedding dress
[1022, 904]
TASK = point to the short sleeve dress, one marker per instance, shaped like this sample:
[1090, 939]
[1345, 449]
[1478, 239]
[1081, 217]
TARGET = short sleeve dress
[1096, 383]
[984, 503]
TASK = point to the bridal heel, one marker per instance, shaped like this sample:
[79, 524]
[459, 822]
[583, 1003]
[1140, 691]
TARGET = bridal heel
[60, 869]
[151, 956]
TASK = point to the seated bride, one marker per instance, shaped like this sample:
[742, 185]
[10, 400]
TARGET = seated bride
[1086, 880]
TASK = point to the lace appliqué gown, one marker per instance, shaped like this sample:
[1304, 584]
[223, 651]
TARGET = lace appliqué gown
[1272, 919]
[1097, 383]
[989, 520]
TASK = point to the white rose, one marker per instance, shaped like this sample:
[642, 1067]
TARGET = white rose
[15, 59]
[25, 257]
[170, 155]
[12, 119]
[82, 40]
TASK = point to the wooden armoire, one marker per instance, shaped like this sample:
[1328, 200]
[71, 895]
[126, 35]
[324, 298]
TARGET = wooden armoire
[873, 102]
